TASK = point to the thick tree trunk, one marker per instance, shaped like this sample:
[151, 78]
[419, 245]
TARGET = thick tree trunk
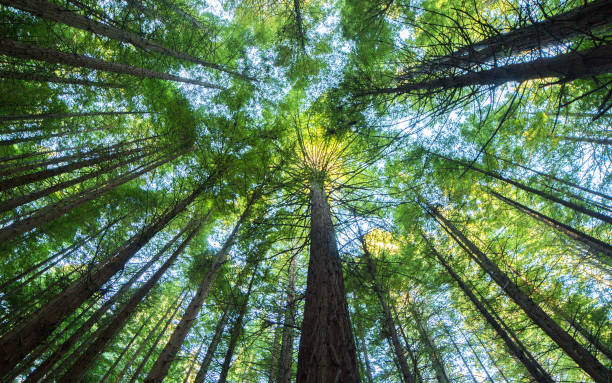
[58, 209]
[327, 349]
[11, 75]
[286, 355]
[578, 22]
[105, 334]
[212, 347]
[28, 51]
[47, 116]
[594, 245]
[15, 345]
[164, 361]
[566, 342]
[236, 330]
[54, 12]
[395, 343]
[582, 64]
[65, 347]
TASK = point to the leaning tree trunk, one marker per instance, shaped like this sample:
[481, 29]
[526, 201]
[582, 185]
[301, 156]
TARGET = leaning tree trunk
[127, 347]
[591, 140]
[212, 347]
[565, 341]
[15, 345]
[54, 12]
[161, 366]
[286, 355]
[237, 330]
[398, 349]
[30, 76]
[86, 357]
[594, 245]
[327, 349]
[581, 64]
[35, 52]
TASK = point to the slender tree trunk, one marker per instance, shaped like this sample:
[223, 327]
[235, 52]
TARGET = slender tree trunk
[273, 368]
[24, 139]
[11, 75]
[594, 245]
[572, 348]
[366, 359]
[47, 116]
[395, 343]
[56, 210]
[164, 361]
[578, 22]
[34, 52]
[298, 21]
[154, 345]
[212, 347]
[327, 349]
[105, 335]
[529, 189]
[54, 12]
[487, 350]
[65, 347]
[237, 330]
[451, 337]
[124, 351]
[286, 356]
[467, 340]
[23, 339]
[592, 140]
[574, 65]
[193, 363]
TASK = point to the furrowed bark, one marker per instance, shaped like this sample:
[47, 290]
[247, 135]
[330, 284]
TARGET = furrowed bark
[566, 342]
[327, 349]
[35, 52]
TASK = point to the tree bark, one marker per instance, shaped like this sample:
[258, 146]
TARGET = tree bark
[125, 350]
[164, 361]
[193, 363]
[58, 209]
[594, 245]
[105, 334]
[11, 75]
[592, 140]
[566, 342]
[395, 343]
[54, 12]
[568, 66]
[15, 345]
[212, 347]
[47, 116]
[273, 368]
[34, 52]
[286, 356]
[327, 349]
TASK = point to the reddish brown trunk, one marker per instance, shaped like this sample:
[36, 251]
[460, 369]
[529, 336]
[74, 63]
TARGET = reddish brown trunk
[327, 349]
[572, 348]
[34, 52]
[286, 356]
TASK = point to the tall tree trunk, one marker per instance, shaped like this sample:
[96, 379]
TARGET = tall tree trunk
[574, 65]
[594, 245]
[30, 76]
[273, 368]
[105, 334]
[484, 368]
[364, 353]
[58, 209]
[300, 25]
[23, 339]
[451, 337]
[193, 363]
[327, 349]
[237, 330]
[35, 52]
[578, 22]
[54, 12]
[47, 116]
[125, 350]
[65, 347]
[164, 361]
[286, 356]
[592, 140]
[23, 139]
[395, 343]
[566, 342]
[153, 347]
[212, 347]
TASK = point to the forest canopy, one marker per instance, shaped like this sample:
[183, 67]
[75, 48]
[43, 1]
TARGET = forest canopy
[308, 191]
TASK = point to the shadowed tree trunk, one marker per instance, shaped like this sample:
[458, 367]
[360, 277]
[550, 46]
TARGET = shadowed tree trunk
[572, 348]
[327, 349]
[212, 347]
[54, 12]
[164, 361]
[47, 116]
[28, 51]
[11, 75]
[286, 355]
[274, 356]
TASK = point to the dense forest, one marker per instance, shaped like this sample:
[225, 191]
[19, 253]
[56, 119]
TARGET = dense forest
[309, 191]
